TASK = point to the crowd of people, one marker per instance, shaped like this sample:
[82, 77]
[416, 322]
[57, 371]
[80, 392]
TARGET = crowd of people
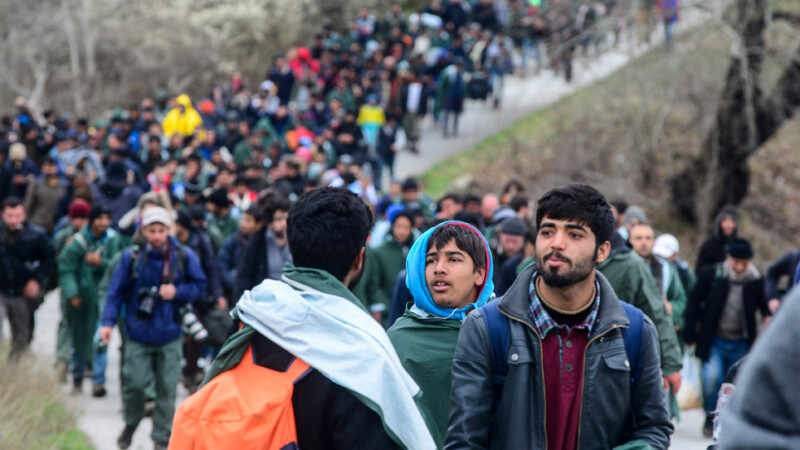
[165, 220]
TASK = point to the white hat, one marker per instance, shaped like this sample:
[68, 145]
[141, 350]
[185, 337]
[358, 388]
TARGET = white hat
[156, 214]
[666, 245]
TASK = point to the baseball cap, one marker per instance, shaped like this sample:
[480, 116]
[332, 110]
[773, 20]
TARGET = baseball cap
[156, 215]
[666, 245]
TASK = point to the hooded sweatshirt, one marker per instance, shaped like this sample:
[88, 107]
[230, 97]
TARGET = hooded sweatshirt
[425, 336]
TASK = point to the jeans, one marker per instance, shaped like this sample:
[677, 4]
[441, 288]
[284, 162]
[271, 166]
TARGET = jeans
[724, 354]
[99, 361]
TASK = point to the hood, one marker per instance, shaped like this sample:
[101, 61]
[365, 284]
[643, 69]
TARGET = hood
[415, 276]
[618, 245]
[726, 211]
[184, 101]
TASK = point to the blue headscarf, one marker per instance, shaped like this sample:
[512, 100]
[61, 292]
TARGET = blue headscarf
[415, 276]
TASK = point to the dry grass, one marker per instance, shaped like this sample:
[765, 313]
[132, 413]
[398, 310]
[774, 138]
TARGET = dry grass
[32, 415]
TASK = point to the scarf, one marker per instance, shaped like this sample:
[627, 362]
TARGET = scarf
[415, 277]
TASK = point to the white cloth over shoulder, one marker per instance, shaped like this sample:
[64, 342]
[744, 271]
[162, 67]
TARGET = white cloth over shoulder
[342, 342]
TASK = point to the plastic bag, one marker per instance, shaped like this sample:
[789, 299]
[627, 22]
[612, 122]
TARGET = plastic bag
[690, 394]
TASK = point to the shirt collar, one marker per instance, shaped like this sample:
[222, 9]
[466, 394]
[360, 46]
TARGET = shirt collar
[542, 320]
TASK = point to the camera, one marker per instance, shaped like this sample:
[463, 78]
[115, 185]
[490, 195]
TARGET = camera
[147, 297]
[190, 324]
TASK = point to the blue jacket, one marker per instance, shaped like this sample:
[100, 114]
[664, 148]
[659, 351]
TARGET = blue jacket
[189, 281]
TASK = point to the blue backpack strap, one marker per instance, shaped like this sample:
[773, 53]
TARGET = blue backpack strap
[633, 345]
[500, 335]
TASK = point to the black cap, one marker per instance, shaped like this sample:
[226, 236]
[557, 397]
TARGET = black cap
[192, 188]
[739, 249]
[97, 211]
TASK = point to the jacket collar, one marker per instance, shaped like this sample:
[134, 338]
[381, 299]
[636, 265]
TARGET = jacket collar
[307, 279]
[516, 303]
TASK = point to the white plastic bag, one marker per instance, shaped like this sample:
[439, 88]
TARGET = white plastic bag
[690, 395]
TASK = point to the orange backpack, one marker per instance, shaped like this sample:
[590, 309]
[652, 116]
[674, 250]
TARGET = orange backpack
[247, 407]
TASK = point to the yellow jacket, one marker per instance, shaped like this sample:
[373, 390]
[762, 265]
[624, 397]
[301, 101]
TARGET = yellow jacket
[371, 115]
[182, 122]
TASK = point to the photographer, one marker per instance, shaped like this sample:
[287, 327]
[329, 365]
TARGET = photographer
[153, 284]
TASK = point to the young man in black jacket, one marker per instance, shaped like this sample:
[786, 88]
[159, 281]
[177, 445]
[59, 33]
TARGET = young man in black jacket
[267, 251]
[721, 318]
[568, 379]
[27, 258]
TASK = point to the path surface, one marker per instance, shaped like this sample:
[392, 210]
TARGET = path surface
[101, 418]
[525, 95]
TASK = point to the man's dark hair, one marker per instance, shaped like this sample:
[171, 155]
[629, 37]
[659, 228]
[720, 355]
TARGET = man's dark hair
[276, 202]
[254, 212]
[472, 198]
[620, 204]
[465, 239]
[581, 203]
[12, 202]
[530, 236]
[327, 228]
[471, 218]
[518, 202]
[449, 196]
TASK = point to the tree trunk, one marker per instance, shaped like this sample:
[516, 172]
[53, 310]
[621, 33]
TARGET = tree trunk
[719, 175]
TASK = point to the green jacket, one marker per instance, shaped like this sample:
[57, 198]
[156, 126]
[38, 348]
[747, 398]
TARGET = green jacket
[389, 259]
[631, 279]
[425, 346]
[367, 287]
[676, 295]
[235, 347]
[228, 225]
[77, 278]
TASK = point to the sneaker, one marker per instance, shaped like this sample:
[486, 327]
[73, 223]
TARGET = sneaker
[125, 439]
[98, 390]
[161, 446]
[708, 426]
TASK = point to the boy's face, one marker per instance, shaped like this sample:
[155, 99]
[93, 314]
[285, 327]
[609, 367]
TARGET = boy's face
[450, 276]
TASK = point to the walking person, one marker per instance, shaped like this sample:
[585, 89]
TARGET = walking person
[449, 272]
[80, 268]
[721, 318]
[566, 372]
[150, 287]
[27, 259]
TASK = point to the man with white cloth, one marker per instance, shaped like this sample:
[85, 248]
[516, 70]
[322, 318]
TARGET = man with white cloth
[358, 396]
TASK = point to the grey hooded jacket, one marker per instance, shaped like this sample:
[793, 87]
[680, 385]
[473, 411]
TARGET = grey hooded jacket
[519, 419]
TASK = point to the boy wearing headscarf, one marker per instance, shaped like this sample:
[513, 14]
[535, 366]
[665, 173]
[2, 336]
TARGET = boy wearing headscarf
[449, 273]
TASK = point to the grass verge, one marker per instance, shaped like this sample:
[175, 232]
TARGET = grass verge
[32, 415]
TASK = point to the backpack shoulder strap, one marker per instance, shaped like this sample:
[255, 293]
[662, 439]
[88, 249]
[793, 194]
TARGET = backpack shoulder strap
[81, 240]
[500, 335]
[633, 339]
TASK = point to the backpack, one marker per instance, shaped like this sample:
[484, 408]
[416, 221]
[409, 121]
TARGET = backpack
[500, 335]
[247, 407]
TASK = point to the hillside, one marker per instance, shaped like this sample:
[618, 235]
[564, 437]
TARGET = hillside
[631, 133]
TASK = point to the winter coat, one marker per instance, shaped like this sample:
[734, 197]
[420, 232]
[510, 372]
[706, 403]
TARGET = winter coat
[784, 267]
[163, 326]
[389, 259]
[228, 260]
[632, 282]
[201, 244]
[425, 345]
[41, 200]
[79, 279]
[119, 199]
[30, 257]
[227, 225]
[518, 421]
[708, 299]
[183, 123]
[765, 410]
[253, 265]
[327, 415]
[672, 289]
